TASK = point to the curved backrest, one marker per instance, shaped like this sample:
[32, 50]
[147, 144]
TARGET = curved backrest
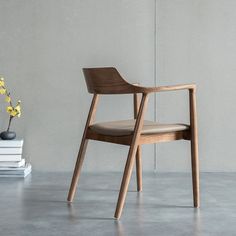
[106, 80]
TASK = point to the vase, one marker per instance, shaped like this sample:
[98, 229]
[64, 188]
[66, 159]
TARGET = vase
[7, 135]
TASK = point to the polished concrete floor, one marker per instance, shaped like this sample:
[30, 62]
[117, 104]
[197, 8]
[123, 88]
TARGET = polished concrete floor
[36, 206]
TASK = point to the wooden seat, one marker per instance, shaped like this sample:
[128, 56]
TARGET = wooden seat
[134, 132]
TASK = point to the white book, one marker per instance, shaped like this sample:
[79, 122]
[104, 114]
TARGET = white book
[10, 158]
[22, 172]
[19, 170]
[12, 164]
[16, 176]
[12, 150]
[11, 143]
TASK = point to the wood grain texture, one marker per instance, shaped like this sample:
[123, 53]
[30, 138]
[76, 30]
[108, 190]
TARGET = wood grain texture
[131, 157]
[164, 137]
[194, 148]
[144, 138]
[139, 151]
[139, 169]
[82, 149]
[123, 140]
[107, 80]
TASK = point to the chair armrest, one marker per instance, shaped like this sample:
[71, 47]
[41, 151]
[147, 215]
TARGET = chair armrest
[139, 89]
[175, 87]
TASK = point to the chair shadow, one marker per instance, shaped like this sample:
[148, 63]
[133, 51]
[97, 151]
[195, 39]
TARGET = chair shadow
[172, 206]
[73, 216]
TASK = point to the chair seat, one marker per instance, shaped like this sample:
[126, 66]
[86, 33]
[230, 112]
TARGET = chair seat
[126, 127]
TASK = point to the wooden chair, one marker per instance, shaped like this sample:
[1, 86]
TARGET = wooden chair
[134, 132]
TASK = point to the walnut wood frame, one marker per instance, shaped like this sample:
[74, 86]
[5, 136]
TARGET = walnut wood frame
[108, 81]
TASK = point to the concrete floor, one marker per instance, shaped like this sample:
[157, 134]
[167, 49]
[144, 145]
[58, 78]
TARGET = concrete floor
[36, 206]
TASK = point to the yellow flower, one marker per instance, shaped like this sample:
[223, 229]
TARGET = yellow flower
[14, 113]
[17, 109]
[2, 91]
[9, 109]
[1, 81]
[8, 98]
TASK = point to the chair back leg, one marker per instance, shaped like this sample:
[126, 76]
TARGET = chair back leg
[139, 169]
[194, 149]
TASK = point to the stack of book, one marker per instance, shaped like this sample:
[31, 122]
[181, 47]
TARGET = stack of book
[11, 162]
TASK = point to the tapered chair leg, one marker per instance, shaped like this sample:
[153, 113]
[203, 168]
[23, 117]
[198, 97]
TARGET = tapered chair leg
[195, 174]
[131, 157]
[194, 148]
[139, 169]
[77, 170]
[125, 182]
[138, 153]
[82, 149]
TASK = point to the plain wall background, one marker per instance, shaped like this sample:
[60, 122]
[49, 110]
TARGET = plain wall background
[44, 45]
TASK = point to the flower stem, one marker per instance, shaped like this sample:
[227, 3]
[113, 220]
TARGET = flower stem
[9, 124]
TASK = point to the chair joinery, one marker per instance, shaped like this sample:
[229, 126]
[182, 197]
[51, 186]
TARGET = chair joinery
[109, 81]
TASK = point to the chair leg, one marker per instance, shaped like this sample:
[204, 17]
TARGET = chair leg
[131, 157]
[194, 147]
[82, 149]
[77, 170]
[125, 182]
[195, 172]
[138, 153]
[139, 169]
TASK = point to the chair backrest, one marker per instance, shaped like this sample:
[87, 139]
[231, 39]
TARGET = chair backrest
[106, 80]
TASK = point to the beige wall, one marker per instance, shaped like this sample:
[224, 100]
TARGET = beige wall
[44, 45]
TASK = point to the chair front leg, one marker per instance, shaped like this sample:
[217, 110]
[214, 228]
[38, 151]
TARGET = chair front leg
[77, 170]
[194, 148]
[195, 173]
[82, 149]
[136, 100]
[125, 181]
[131, 157]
